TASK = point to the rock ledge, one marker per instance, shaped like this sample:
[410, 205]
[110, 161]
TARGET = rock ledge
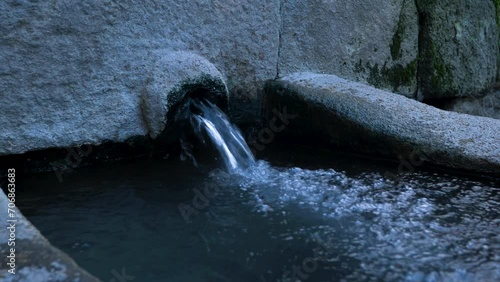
[374, 121]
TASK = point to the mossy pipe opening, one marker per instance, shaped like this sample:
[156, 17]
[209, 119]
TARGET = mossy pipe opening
[177, 110]
[177, 77]
[183, 135]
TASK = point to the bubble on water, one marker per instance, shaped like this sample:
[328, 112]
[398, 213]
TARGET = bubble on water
[412, 231]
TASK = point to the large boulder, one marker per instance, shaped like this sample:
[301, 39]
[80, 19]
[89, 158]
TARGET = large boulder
[73, 72]
[87, 72]
[459, 47]
[368, 41]
[351, 115]
[105, 108]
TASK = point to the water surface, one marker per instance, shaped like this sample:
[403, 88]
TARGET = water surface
[300, 215]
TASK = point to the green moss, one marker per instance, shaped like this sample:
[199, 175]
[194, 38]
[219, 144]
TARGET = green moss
[358, 67]
[441, 75]
[394, 77]
[374, 78]
[436, 76]
[497, 7]
[397, 39]
[497, 10]
[208, 86]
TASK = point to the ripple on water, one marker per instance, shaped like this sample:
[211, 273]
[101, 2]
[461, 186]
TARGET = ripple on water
[265, 220]
[425, 228]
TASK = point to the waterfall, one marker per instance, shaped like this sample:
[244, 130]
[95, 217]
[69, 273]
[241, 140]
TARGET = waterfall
[210, 122]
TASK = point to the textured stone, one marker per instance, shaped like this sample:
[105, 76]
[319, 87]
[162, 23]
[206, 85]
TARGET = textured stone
[73, 72]
[487, 106]
[83, 72]
[36, 259]
[370, 120]
[175, 75]
[110, 113]
[497, 10]
[368, 41]
[458, 47]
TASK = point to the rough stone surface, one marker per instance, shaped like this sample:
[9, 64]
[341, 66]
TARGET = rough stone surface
[111, 111]
[369, 41]
[77, 72]
[36, 259]
[487, 106]
[497, 10]
[374, 121]
[458, 47]
[73, 72]
[174, 75]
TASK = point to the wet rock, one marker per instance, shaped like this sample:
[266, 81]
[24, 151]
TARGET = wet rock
[459, 47]
[359, 117]
[36, 260]
[368, 41]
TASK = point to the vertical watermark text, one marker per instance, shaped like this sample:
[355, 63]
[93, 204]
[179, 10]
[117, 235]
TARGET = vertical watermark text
[11, 220]
[121, 277]
[73, 159]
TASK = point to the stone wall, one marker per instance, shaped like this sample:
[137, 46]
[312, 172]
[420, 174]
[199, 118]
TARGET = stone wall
[343, 115]
[369, 41]
[458, 47]
[75, 72]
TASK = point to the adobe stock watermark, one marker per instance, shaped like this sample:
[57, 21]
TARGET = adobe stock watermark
[407, 165]
[200, 201]
[278, 123]
[121, 276]
[73, 159]
[309, 265]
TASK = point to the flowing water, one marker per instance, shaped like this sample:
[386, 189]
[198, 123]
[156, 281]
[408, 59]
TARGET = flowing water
[210, 122]
[298, 215]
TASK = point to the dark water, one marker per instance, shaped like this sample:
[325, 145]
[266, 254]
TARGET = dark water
[303, 215]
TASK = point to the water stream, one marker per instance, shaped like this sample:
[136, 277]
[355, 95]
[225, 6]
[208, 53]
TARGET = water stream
[210, 122]
[298, 215]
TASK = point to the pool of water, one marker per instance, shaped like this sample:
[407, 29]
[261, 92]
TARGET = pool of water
[297, 215]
